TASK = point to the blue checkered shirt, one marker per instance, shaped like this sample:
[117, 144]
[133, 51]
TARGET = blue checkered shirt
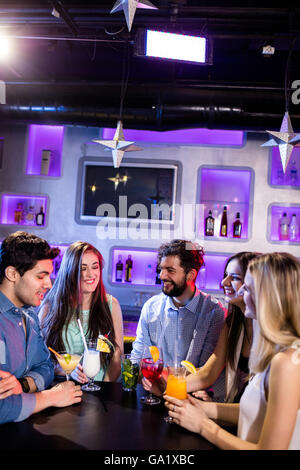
[196, 326]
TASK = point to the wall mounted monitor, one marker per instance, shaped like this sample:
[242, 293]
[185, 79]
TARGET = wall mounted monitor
[144, 191]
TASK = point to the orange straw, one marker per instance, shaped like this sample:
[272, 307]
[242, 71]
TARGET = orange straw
[52, 350]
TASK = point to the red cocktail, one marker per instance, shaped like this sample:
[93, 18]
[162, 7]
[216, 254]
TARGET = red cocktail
[152, 371]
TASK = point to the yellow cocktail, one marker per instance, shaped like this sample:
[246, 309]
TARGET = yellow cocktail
[176, 386]
[68, 362]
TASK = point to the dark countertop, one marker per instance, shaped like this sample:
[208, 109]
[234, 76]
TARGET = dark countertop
[110, 419]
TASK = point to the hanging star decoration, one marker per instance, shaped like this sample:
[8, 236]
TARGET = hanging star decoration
[129, 7]
[285, 139]
[118, 145]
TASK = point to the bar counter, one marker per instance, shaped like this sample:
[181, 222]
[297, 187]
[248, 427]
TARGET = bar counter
[110, 419]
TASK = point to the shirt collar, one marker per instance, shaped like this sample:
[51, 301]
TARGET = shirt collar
[6, 304]
[191, 305]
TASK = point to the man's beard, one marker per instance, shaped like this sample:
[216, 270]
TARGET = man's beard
[177, 290]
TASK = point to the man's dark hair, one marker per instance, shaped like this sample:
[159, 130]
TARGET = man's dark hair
[190, 254]
[23, 250]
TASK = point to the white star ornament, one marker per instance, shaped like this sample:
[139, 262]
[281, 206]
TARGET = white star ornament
[285, 139]
[129, 7]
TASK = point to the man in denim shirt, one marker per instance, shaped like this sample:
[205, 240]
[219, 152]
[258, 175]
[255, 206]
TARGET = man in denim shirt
[26, 369]
[182, 321]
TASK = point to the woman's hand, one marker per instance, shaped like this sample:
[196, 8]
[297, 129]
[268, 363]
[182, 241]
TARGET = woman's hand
[202, 395]
[79, 375]
[187, 413]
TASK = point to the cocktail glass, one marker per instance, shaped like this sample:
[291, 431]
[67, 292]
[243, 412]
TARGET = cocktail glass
[176, 385]
[152, 371]
[68, 362]
[91, 366]
[129, 372]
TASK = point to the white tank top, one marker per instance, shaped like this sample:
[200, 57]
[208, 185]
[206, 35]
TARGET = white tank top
[253, 406]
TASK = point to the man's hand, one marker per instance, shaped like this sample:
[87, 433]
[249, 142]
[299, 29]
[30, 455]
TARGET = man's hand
[9, 385]
[65, 394]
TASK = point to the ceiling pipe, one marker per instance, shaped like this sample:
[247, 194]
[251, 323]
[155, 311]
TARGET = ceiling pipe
[160, 118]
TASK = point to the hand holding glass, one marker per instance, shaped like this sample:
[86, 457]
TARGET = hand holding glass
[176, 385]
[152, 371]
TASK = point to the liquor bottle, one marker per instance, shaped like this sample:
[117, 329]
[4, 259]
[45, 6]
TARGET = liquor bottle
[40, 217]
[19, 214]
[149, 275]
[293, 228]
[224, 226]
[45, 163]
[119, 269]
[30, 216]
[209, 225]
[283, 227]
[237, 226]
[157, 276]
[128, 269]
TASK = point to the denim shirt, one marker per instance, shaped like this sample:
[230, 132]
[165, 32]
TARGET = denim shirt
[190, 332]
[22, 356]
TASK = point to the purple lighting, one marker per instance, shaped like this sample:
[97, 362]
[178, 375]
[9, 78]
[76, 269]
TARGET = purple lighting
[214, 137]
[44, 137]
[226, 187]
[29, 204]
[175, 46]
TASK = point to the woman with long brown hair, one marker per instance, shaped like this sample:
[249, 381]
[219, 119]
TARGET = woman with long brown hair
[78, 292]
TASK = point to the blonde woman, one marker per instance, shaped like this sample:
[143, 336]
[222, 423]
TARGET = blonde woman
[268, 415]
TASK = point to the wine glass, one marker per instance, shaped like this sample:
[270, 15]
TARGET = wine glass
[91, 366]
[68, 362]
[152, 371]
[176, 385]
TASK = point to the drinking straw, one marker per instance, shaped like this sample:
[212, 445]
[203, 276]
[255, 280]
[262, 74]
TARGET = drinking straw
[52, 350]
[82, 334]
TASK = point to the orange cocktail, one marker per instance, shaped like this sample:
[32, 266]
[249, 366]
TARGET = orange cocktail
[176, 384]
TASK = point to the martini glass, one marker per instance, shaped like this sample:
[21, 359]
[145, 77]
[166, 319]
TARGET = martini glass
[152, 371]
[68, 362]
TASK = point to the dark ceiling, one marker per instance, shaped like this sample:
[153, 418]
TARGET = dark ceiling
[78, 62]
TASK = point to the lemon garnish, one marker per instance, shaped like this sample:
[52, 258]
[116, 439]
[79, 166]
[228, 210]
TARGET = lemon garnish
[154, 351]
[189, 367]
[67, 358]
[102, 346]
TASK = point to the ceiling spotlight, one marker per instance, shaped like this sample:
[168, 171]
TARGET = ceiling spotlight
[5, 47]
[268, 50]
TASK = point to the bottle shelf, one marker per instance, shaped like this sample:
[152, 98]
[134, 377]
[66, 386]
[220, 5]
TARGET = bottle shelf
[208, 279]
[23, 210]
[44, 151]
[291, 177]
[225, 186]
[275, 212]
[141, 259]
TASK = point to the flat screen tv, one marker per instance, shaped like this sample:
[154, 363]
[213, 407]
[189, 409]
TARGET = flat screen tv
[143, 191]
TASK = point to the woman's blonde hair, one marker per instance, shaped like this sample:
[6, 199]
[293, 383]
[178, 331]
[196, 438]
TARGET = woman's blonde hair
[276, 278]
